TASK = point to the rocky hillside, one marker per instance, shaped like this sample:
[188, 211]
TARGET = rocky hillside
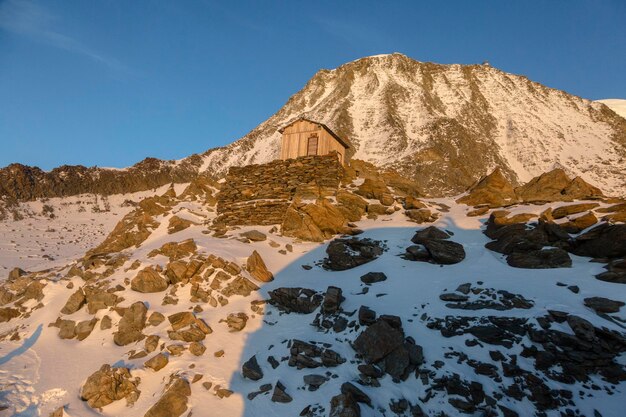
[23, 183]
[447, 125]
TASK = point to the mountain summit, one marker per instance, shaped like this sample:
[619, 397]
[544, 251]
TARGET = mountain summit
[448, 125]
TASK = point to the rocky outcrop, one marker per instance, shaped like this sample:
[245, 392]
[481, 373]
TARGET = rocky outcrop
[173, 402]
[110, 384]
[557, 186]
[432, 245]
[256, 267]
[314, 222]
[296, 300]
[149, 280]
[494, 190]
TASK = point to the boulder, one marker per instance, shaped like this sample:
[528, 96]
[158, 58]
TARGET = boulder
[256, 267]
[176, 224]
[417, 253]
[556, 186]
[603, 241]
[375, 189]
[373, 277]
[84, 328]
[352, 206]
[75, 302]
[349, 253]
[251, 369]
[314, 222]
[420, 215]
[295, 300]
[173, 403]
[344, 406]
[377, 341]
[157, 362]
[564, 211]
[494, 190]
[348, 388]
[8, 313]
[109, 384]
[540, 259]
[130, 327]
[254, 236]
[236, 321]
[603, 305]
[430, 232]
[148, 280]
[445, 252]
[280, 394]
[580, 223]
[332, 300]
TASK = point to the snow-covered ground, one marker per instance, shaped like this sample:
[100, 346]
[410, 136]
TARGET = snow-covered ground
[41, 372]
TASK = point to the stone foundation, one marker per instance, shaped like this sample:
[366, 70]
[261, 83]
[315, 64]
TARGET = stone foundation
[261, 194]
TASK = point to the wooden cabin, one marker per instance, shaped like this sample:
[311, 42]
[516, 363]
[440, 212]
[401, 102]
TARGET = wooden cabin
[305, 137]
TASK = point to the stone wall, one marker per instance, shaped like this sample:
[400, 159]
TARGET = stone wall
[261, 194]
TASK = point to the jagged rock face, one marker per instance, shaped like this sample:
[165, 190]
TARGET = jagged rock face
[446, 126]
[21, 182]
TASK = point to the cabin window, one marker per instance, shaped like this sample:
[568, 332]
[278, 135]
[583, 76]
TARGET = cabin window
[312, 145]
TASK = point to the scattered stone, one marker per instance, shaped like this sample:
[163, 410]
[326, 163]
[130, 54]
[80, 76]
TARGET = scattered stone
[254, 236]
[332, 300]
[173, 403]
[256, 267]
[148, 280]
[280, 394]
[603, 305]
[157, 362]
[75, 302]
[236, 321]
[197, 348]
[314, 381]
[84, 328]
[349, 253]
[131, 325]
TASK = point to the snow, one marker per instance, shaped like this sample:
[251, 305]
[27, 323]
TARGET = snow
[615, 104]
[42, 372]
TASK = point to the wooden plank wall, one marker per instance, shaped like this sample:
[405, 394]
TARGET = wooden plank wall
[295, 141]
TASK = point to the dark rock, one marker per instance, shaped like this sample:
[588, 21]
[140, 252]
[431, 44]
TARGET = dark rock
[347, 388]
[349, 253]
[540, 259]
[296, 300]
[417, 253]
[464, 288]
[603, 241]
[445, 252]
[344, 406]
[367, 316]
[332, 300]
[280, 394]
[373, 277]
[429, 233]
[603, 305]
[377, 341]
[453, 297]
[251, 369]
[314, 381]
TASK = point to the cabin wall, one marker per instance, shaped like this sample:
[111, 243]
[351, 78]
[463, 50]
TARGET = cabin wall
[295, 141]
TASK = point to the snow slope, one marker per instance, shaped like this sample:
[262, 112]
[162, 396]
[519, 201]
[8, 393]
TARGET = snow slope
[41, 372]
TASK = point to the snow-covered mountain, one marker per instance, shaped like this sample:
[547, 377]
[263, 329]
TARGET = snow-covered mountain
[447, 125]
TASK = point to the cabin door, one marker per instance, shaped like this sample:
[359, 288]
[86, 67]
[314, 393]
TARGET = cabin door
[311, 148]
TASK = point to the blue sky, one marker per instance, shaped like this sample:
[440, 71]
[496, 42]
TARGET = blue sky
[110, 82]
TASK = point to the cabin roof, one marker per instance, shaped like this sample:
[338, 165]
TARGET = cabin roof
[322, 125]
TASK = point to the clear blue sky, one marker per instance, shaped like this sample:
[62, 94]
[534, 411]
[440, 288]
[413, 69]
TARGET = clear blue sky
[110, 82]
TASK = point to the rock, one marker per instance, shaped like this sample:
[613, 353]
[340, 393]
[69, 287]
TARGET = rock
[176, 250]
[349, 253]
[149, 280]
[332, 300]
[314, 381]
[236, 321]
[75, 302]
[556, 186]
[8, 313]
[173, 403]
[348, 388]
[295, 300]
[254, 236]
[352, 206]
[445, 252]
[603, 241]
[181, 319]
[367, 316]
[420, 215]
[67, 329]
[157, 362]
[16, 273]
[540, 259]
[494, 190]
[256, 267]
[251, 369]
[197, 348]
[239, 286]
[375, 189]
[152, 342]
[108, 385]
[309, 355]
[377, 341]
[417, 253]
[156, 318]
[280, 394]
[453, 297]
[373, 277]
[106, 323]
[581, 328]
[568, 210]
[84, 328]
[580, 223]
[603, 305]
[344, 406]
[131, 325]
[411, 202]
[176, 224]
[314, 222]
[429, 233]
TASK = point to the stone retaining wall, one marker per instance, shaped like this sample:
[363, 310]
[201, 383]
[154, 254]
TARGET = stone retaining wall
[261, 194]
